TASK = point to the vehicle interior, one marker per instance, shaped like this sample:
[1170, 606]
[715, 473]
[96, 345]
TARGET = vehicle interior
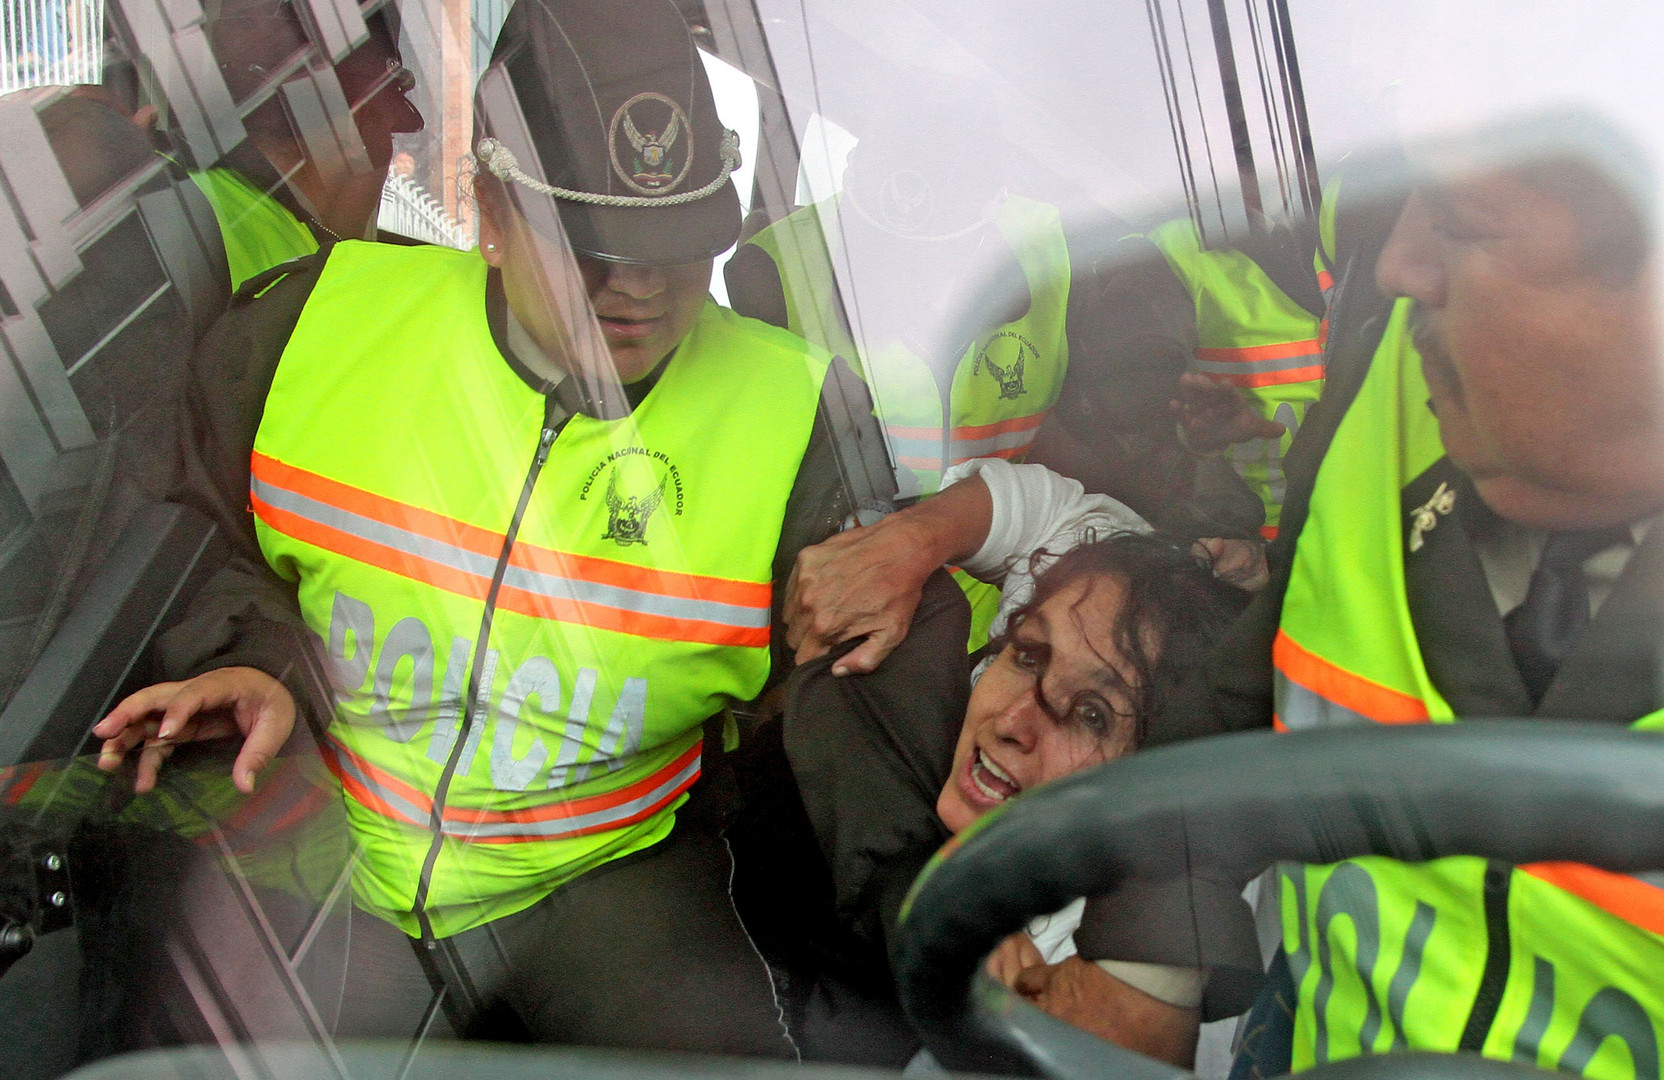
[197, 931]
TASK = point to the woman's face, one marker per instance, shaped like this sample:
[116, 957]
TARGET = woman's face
[1063, 655]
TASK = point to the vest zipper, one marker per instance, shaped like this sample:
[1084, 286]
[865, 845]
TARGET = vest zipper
[1493, 980]
[436, 818]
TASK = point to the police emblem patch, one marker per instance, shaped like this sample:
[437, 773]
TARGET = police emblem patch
[906, 201]
[651, 144]
[1005, 355]
[638, 483]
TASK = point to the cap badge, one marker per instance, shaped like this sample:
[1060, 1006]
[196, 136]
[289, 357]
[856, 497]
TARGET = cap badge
[653, 164]
[906, 201]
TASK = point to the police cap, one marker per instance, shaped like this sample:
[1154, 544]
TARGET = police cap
[619, 110]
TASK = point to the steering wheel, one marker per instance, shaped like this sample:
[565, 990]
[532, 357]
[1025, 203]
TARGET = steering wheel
[1517, 790]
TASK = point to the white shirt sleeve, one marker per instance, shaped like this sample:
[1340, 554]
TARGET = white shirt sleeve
[1035, 510]
[1053, 935]
[1177, 986]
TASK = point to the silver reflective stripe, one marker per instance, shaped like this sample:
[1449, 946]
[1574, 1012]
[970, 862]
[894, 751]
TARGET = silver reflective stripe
[1254, 367]
[550, 829]
[912, 447]
[379, 532]
[1529, 1038]
[673, 607]
[1613, 1012]
[402, 807]
[1350, 892]
[581, 823]
[1299, 708]
[554, 587]
[1409, 970]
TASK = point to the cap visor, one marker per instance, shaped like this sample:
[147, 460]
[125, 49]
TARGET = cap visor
[683, 233]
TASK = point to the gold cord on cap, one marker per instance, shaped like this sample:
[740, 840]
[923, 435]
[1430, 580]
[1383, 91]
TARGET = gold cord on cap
[505, 166]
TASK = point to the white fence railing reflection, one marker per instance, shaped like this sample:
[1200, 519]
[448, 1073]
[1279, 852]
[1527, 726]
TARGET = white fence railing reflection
[50, 43]
[408, 209]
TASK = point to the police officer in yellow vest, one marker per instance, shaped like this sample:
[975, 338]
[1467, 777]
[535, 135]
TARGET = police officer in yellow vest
[273, 201]
[1473, 531]
[1259, 328]
[970, 310]
[530, 507]
[871, 272]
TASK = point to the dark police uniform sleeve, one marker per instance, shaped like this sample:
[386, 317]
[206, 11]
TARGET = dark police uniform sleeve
[245, 615]
[248, 616]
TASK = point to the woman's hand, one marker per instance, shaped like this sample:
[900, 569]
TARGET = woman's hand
[866, 581]
[1240, 562]
[1081, 993]
[224, 702]
[1011, 957]
[1213, 415]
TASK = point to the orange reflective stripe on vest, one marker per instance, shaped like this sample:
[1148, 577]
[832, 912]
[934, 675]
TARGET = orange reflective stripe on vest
[16, 780]
[1312, 692]
[1634, 899]
[457, 557]
[387, 795]
[1264, 365]
[920, 447]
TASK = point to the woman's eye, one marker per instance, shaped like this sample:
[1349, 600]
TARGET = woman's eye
[1093, 714]
[1027, 657]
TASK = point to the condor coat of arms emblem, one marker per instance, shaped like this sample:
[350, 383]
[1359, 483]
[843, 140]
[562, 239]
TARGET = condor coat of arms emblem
[659, 142]
[1009, 374]
[627, 515]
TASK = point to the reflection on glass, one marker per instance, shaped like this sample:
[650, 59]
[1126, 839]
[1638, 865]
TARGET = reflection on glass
[1026, 230]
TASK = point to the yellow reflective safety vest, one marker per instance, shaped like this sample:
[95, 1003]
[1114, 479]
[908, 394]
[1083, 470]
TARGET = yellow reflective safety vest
[1001, 390]
[397, 456]
[257, 230]
[1326, 254]
[1251, 335]
[1388, 955]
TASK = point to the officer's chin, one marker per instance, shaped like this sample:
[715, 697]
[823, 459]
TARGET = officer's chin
[1535, 504]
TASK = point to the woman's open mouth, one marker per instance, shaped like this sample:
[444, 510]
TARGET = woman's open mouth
[991, 782]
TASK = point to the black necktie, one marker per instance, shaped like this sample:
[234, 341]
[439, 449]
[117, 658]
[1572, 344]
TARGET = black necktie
[1541, 630]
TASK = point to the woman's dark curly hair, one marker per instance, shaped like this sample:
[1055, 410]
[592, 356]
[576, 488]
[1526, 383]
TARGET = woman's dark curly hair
[1173, 612]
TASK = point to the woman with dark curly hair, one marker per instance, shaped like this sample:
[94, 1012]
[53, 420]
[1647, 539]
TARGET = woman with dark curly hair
[1111, 630]
[1099, 654]
[1087, 668]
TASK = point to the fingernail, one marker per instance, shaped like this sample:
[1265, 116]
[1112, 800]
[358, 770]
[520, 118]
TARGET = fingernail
[839, 669]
